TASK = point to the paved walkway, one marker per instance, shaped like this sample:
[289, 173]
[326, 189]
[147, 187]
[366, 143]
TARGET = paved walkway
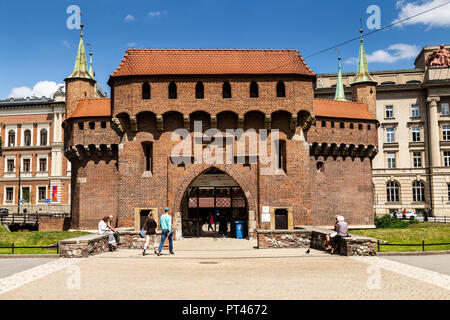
[225, 269]
[8, 267]
[437, 263]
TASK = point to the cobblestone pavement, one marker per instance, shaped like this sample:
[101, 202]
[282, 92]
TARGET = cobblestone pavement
[205, 269]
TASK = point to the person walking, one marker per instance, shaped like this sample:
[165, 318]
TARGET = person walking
[165, 223]
[150, 231]
[210, 222]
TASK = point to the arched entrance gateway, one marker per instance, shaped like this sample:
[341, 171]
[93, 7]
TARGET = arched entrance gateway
[211, 206]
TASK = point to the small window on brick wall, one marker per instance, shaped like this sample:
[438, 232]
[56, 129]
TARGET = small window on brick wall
[103, 124]
[342, 125]
[324, 124]
[81, 125]
[352, 125]
[320, 167]
[92, 125]
[360, 126]
[369, 127]
[148, 153]
[282, 155]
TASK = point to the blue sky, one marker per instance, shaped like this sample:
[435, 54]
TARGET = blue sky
[37, 45]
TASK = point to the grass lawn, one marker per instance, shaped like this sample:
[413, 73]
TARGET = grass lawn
[414, 234]
[36, 238]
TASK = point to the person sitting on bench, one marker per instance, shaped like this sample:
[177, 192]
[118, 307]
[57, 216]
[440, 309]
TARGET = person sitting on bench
[341, 231]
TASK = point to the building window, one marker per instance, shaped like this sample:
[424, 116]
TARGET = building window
[281, 89]
[342, 125]
[416, 134]
[415, 112]
[42, 194]
[320, 167]
[390, 135]
[446, 133]
[103, 124]
[447, 158]
[254, 90]
[389, 112]
[392, 192]
[360, 126]
[417, 159]
[391, 161]
[42, 165]
[26, 165]
[226, 90]
[448, 189]
[324, 124]
[26, 194]
[369, 127]
[445, 109]
[92, 125]
[332, 124]
[9, 195]
[146, 91]
[10, 165]
[282, 164]
[173, 94]
[27, 138]
[44, 136]
[81, 125]
[418, 191]
[351, 126]
[199, 91]
[11, 138]
[148, 153]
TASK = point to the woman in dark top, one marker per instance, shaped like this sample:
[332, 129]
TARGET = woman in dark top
[150, 231]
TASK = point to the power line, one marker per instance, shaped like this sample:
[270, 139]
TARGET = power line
[377, 30]
[369, 33]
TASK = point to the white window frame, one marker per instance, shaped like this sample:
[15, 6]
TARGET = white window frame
[445, 111]
[414, 132]
[391, 156]
[389, 112]
[390, 134]
[69, 168]
[8, 128]
[37, 193]
[446, 158]
[415, 108]
[418, 158]
[23, 128]
[4, 195]
[446, 132]
[23, 157]
[41, 126]
[21, 192]
[6, 173]
[38, 165]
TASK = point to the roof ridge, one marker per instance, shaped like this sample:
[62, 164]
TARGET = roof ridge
[332, 100]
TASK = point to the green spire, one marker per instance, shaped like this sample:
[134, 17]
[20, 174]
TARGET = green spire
[91, 68]
[81, 69]
[362, 74]
[340, 93]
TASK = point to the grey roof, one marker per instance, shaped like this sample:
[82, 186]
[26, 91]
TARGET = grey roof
[27, 102]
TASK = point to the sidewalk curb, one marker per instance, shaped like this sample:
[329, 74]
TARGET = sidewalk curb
[29, 256]
[413, 253]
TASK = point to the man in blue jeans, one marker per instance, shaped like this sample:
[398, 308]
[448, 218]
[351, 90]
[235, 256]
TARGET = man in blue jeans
[165, 223]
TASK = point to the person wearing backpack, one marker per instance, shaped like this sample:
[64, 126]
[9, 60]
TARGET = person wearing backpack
[150, 232]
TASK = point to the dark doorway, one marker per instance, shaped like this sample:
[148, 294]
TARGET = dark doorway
[281, 219]
[143, 217]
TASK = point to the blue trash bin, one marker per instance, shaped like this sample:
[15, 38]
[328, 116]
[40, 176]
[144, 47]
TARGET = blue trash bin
[240, 229]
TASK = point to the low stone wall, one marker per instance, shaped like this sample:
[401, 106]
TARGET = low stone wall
[312, 237]
[54, 224]
[83, 246]
[283, 239]
[130, 239]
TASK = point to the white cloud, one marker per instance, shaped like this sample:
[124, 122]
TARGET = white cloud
[437, 18]
[155, 14]
[392, 54]
[65, 43]
[129, 18]
[40, 89]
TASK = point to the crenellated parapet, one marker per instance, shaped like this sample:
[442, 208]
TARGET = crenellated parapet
[343, 150]
[93, 152]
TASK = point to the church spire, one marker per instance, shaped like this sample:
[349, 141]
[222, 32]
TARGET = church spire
[80, 69]
[91, 68]
[362, 74]
[340, 93]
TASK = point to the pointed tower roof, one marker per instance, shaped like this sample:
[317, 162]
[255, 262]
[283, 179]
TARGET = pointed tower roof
[362, 74]
[91, 68]
[340, 93]
[80, 69]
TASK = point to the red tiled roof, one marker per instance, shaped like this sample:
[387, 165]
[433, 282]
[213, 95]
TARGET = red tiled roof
[92, 108]
[211, 61]
[341, 109]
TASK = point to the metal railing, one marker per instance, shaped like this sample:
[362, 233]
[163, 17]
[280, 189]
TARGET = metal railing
[14, 247]
[443, 219]
[28, 218]
[423, 245]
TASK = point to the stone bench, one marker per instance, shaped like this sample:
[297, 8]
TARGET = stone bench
[313, 237]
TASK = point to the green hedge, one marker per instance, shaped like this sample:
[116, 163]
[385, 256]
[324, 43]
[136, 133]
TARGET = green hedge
[387, 221]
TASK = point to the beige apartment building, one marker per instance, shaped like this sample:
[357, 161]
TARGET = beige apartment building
[412, 168]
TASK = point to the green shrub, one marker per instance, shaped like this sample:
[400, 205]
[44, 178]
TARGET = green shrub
[387, 221]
